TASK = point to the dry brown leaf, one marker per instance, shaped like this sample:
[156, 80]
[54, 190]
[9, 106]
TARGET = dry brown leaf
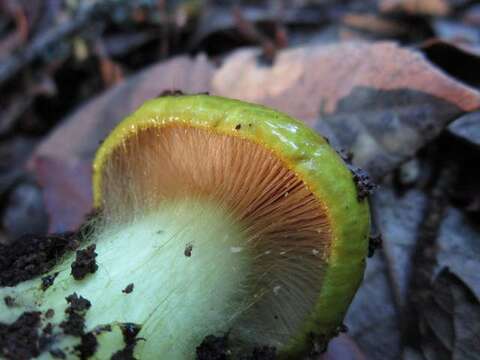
[380, 100]
[304, 80]
[416, 7]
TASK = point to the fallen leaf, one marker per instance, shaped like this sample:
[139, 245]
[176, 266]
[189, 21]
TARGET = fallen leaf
[374, 317]
[416, 7]
[459, 249]
[24, 211]
[375, 24]
[383, 109]
[459, 60]
[13, 154]
[455, 31]
[467, 128]
[66, 187]
[343, 347]
[381, 101]
[450, 320]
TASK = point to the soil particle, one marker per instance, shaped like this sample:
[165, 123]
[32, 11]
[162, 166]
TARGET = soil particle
[84, 263]
[102, 328]
[87, 347]
[31, 256]
[365, 186]
[374, 243]
[317, 344]
[128, 289]
[130, 332]
[347, 156]
[75, 323]
[9, 301]
[58, 354]
[342, 328]
[188, 250]
[49, 313]
[48, 329]
[263, 353]
[175, 92]
[213, 348]
[48, 281]
[21, 340]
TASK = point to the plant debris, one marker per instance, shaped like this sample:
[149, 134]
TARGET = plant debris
[128, 289]
[374, 243]
[365, 185]
[21, 339]
[75, 322]
[31, 256]
[9, 301]
[216, 348]
[213, 348]
[87, 347]
[263, 353]
[175, 92]
[84, 263]
[58, 354]
[130, 339]
[188, 250]
[385, 102]
[48, 281]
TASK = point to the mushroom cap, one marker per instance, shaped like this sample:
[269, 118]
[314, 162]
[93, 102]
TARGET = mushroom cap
[303, 152]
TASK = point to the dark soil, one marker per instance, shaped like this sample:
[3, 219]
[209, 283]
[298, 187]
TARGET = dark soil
[49, 313]
[374, 243]
[130, 332]
[171, 93]
[75, 322]
[88, 346]
[365, 185]
[84, 263]
[31, 256]
[217, 348]
[9, 301]
[20, 340]
[264, 353]
[58, 354]
[188, 250]
[213, 348]
[48, 281]
[128, 289]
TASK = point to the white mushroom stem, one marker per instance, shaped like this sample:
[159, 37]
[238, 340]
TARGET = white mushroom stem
[187, 271]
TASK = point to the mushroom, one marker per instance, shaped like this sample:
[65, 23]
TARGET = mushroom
[222, 217]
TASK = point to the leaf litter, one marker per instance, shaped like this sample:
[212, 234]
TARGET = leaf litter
[399, 109]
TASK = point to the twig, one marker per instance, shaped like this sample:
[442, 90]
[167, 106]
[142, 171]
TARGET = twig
[89, 14]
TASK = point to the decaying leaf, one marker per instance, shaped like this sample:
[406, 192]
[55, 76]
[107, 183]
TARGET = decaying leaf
[467, 128]
[450, 320]
[416, 7]
[459, 249]
[67, 193]
[375, 315]
[372, 317]
[383, 109]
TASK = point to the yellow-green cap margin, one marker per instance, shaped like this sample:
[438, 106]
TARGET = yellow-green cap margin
[306, 153]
